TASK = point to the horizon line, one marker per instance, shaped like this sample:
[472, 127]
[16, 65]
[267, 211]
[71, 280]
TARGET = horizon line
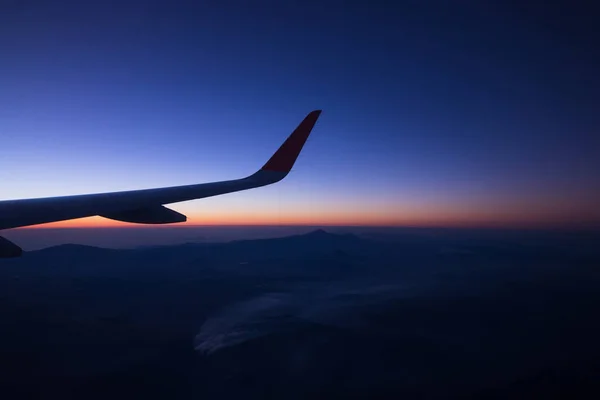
[562, 227]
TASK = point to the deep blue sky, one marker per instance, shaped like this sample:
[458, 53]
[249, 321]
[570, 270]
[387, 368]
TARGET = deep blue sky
[433, 114]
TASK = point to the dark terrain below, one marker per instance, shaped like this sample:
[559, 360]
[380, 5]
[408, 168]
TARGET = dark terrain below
[463, 314]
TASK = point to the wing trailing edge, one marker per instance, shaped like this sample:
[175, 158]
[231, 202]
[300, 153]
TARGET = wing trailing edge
[147, 215]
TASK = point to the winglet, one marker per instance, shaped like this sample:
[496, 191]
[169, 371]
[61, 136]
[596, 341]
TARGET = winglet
[285, 157]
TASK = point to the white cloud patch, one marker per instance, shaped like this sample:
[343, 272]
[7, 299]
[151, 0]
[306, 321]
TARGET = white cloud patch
[274, 312]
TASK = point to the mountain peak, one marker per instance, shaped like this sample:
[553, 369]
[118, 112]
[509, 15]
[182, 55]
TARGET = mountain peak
[73, 248]
[321, 233]
[318, 232]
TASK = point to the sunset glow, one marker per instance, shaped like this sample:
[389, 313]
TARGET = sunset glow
[522, 219]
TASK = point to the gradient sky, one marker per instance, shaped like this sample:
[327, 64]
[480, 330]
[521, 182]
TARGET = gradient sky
[433, 114]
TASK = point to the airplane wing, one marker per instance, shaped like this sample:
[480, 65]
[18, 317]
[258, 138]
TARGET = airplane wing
[146, 206]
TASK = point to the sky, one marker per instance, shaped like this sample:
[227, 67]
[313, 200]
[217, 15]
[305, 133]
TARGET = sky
[434, 113]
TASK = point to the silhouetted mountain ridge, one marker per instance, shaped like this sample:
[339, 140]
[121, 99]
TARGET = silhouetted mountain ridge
[73, 248]
[314, 241]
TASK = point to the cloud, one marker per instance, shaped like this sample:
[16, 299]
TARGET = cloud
[244, 321]
[277, 312]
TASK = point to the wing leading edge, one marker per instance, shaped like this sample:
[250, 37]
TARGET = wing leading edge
[146, 206]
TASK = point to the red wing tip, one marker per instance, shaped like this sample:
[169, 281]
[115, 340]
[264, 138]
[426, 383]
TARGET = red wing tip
[283, 160]
[314, 114]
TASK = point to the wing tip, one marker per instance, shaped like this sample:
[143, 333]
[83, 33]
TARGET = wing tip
[284, 158]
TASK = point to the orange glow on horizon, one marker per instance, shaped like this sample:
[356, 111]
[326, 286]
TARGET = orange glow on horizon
[346, 218]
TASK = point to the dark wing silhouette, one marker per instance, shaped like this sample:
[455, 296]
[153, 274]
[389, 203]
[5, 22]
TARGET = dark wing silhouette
[146, 206]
